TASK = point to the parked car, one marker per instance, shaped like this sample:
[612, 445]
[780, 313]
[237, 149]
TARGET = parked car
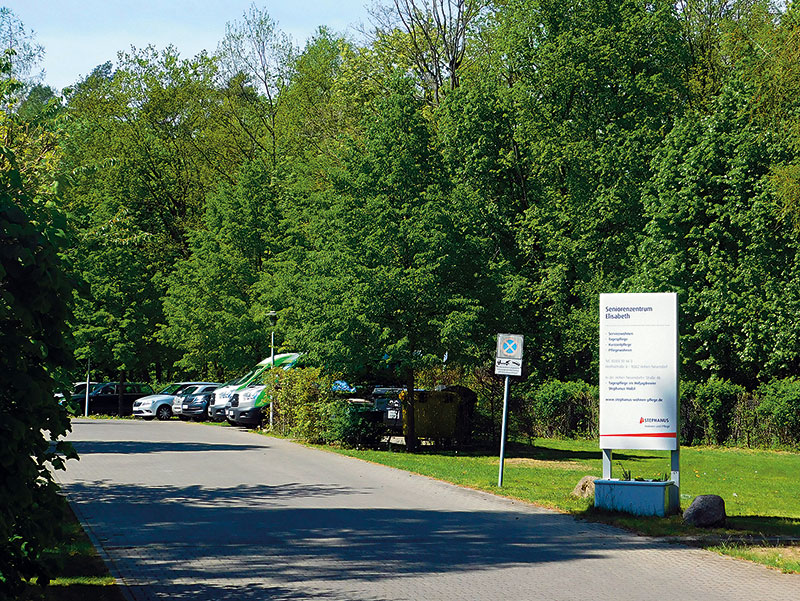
[160, 405]
[246, 406]
[387, 401]
[217, 410]
[192, 403]
[78, 388]
[104, 398]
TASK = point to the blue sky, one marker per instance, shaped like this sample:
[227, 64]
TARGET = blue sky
[80, 34]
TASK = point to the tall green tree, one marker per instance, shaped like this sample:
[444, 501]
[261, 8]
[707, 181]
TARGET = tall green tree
[595, 87]
[714, 237]
[34, 344]
[388, 277]
[143, 151]
[214, 312]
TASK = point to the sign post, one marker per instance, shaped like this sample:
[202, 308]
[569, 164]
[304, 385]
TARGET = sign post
[639, 376]
[508, 362]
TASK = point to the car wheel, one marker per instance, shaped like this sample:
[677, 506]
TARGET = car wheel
[164, 412]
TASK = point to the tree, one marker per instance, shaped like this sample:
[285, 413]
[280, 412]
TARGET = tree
[255, 48]
[435, 41]
[27, 53]
[34, 346]
[214, 313]
[713, 236]
[388, 277]
[595, 88]
[143, 151]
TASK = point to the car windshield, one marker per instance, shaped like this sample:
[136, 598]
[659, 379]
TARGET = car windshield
[171, 389]
[187, 390]
[243, 379]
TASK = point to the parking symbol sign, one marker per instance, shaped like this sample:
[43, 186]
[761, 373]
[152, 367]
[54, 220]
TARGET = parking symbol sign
[508, 361]
[509, 346]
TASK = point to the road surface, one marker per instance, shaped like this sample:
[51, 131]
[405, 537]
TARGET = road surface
[188, 511]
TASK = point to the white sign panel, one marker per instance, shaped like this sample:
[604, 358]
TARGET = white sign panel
[639, 371]
[508, 367]
[509, 355]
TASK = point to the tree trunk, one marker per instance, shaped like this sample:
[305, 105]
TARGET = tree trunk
[408, 408]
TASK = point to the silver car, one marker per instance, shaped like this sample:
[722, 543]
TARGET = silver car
[198, 388]
[159, 405]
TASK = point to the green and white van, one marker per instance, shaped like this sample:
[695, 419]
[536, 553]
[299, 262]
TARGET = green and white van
[223, 394]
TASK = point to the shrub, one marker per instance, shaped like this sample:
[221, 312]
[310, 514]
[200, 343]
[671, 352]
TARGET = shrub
[301, 400]
[692, 415]
[565, 408]
[779, 406]
[354, 425]
[305, 407]
[715, 400]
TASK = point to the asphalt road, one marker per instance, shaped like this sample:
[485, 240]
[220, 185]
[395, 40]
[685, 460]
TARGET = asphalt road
[187, 511]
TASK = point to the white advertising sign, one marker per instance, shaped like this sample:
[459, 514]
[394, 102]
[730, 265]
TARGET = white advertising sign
[639, 371]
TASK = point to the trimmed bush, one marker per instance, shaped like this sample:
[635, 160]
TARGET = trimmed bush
[302, 401]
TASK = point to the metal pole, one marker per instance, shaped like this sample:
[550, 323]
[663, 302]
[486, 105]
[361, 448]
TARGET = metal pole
[503, 433]
[272, 347]
[88, 369]
[607, 457]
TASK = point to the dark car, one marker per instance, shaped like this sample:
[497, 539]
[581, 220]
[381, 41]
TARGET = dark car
[104, 398]
[195, 406]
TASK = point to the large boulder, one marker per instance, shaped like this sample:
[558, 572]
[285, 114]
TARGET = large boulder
[706, 511]
[585, 488]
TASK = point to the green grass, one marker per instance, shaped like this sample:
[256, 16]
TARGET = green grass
[757, 486]
[783, 558]
[79, 572]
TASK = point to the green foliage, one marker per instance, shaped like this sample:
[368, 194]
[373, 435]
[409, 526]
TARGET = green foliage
[355, 426]
[780, 407]
[717, 399]
[34, 309]
[305, 407]
[302, 402]
[595, 86]
[714, 237]
[579, 148]
[711, 410]
[142, 150]
[564, 408]
[213, 304]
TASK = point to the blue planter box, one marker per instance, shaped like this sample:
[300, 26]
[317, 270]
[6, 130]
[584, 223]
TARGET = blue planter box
[636, 497]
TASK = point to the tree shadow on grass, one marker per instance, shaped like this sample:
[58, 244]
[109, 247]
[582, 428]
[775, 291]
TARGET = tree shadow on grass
[541, 453]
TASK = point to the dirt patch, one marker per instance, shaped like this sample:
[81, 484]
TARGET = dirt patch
[553, 465]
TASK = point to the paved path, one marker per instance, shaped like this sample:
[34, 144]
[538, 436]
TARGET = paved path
[186, 511]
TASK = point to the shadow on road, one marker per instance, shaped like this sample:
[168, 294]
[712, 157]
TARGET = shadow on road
[209, 537]
[135, 447]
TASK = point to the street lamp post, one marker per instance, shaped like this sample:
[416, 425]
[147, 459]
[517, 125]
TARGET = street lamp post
[273, 319]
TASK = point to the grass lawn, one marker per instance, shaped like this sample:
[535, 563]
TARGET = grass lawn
[758, 487]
